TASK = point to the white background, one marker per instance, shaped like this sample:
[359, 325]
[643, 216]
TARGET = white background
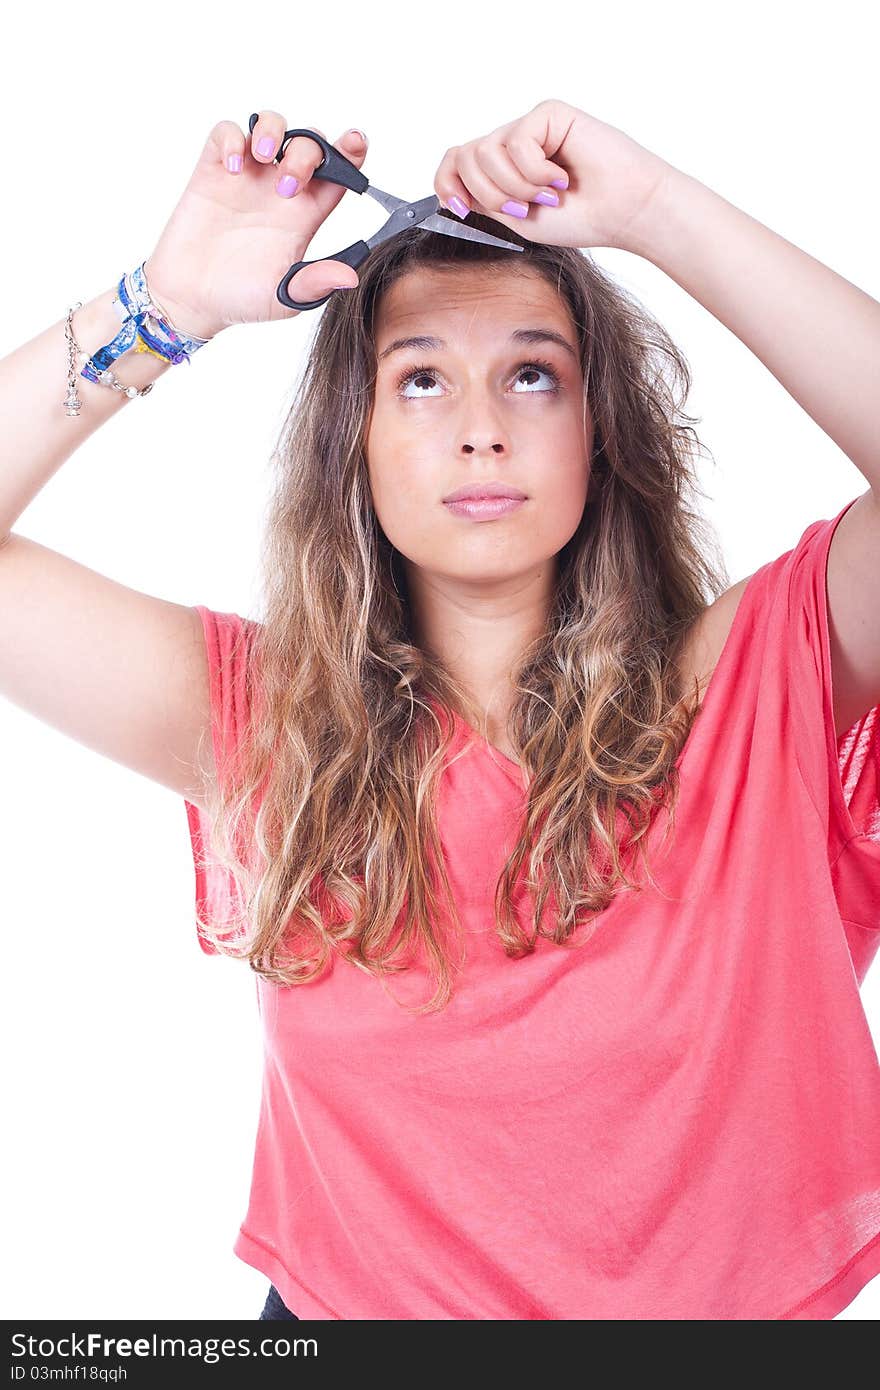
[132, 1061]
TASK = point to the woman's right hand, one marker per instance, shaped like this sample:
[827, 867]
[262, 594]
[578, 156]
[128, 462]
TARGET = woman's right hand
[232, 236]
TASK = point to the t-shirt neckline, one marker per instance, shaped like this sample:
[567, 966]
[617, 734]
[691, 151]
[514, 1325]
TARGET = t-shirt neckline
[509, 766]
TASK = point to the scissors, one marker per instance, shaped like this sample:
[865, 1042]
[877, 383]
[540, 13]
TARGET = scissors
[335, 168]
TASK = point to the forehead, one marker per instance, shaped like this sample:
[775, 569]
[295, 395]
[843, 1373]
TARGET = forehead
[467, 301]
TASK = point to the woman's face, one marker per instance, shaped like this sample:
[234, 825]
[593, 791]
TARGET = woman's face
[476, 411]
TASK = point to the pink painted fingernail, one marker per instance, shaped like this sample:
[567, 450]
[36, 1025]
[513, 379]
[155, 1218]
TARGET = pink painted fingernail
[515, 209]
[559, 183]
[266, 145]
[549, 200]
[233, 163]
[460, 208]
[287, 186]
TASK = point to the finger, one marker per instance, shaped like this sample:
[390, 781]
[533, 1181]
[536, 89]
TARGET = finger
[299, 161]
[449, 187]
[533, 140]
[484, 193]
[226, 145]
[496, 162]
[303, 156]
[527, 154]
[266, 136]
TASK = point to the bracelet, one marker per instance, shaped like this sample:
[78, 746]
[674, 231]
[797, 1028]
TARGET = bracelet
[145, 327]
[72, 402]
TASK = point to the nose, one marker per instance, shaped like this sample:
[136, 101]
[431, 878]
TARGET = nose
[488, 437]
[482, 427]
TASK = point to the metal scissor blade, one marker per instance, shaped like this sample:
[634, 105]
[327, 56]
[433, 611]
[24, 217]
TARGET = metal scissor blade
[449, 228]
[388, 200]
[403, 214]
[423, 215]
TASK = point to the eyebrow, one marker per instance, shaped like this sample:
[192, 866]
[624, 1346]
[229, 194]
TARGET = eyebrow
[530, 336]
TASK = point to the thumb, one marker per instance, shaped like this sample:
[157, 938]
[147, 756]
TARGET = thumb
[320, 278]
[338, 276]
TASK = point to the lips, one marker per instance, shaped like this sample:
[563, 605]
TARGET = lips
[485, 508]
[475, 492]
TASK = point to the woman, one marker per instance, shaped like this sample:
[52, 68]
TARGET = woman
[558, 879]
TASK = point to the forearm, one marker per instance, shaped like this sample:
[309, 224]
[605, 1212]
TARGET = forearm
[815, 331]
[37, 434]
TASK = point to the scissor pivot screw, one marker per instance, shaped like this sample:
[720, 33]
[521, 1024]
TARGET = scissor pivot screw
[410, 213]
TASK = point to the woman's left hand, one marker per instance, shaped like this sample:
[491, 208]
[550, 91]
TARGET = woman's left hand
[611, 177]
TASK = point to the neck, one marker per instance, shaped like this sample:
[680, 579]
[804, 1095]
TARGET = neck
[480, 634]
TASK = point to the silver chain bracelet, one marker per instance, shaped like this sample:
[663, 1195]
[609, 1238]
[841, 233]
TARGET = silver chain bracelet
[73, 403]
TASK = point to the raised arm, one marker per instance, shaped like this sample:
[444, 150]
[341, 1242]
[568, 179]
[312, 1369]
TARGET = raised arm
[814, 330]
[123, 672]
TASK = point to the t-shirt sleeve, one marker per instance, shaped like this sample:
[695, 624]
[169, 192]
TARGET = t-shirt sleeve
[227, 641]
[841, 775]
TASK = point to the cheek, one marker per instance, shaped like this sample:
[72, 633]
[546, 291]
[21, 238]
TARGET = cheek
[572, 494]
[561, 507]
[406, 499]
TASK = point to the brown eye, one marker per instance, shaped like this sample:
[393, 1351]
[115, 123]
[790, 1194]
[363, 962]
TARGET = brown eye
[537, 369]
[417, 376]
[414, 374]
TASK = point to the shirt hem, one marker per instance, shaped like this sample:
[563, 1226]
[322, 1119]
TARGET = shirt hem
[825, 1303]
[840, 1291]
[298, 1298]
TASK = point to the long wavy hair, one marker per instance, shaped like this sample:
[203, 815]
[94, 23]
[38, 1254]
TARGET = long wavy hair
[325, 812]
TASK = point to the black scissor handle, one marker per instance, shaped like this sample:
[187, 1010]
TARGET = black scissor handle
[353, 255]
[335, 168]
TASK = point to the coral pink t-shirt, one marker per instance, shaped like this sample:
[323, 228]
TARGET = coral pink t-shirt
[678, 1120]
